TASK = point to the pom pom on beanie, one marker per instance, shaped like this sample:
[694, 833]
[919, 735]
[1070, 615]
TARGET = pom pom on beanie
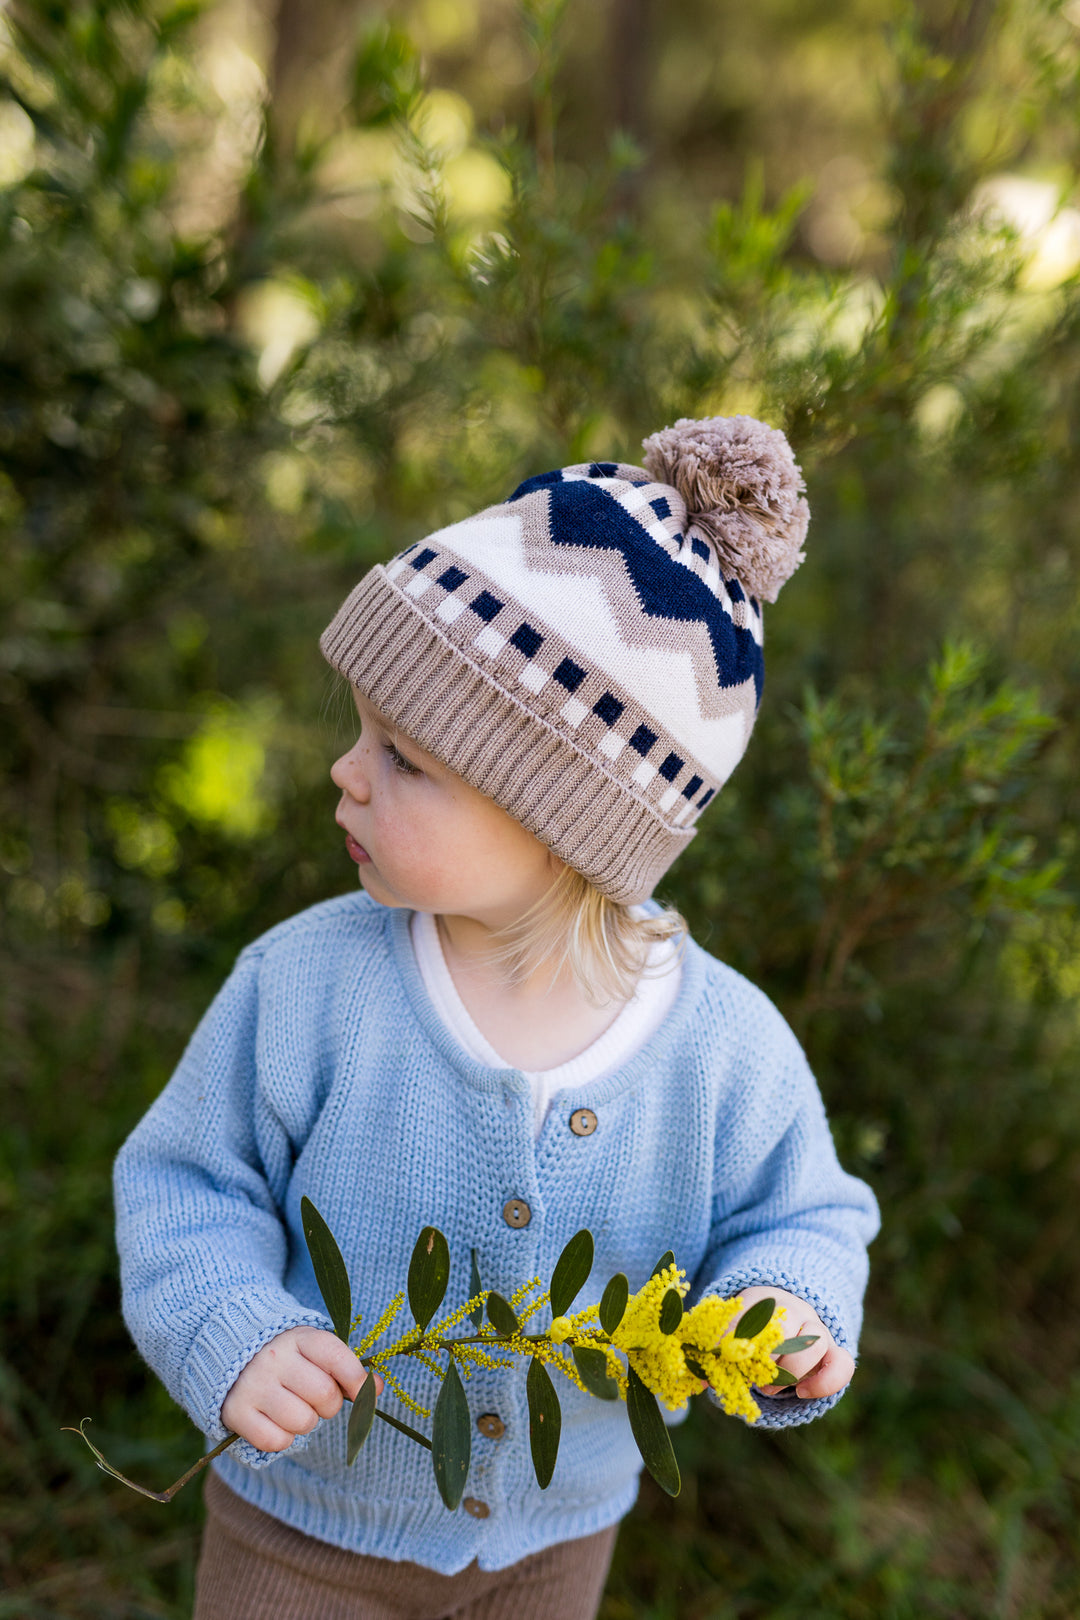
[743, 489]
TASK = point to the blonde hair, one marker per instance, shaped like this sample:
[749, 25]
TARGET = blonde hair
[573, 926]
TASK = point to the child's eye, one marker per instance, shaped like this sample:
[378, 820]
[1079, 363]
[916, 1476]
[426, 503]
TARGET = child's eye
[400, 763]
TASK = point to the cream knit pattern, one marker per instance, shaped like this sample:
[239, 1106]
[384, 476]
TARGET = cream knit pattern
[322, 1069]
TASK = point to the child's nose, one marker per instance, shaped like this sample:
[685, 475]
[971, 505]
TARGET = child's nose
[349, 775]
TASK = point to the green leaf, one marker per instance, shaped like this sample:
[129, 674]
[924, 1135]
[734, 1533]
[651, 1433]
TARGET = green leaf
[752, 1321]
[329, 1268]
[695, 1367]
[571, 1272]
[403, 1428]
[545, 1421]
[385, 76]
[592, 1370]
[784, 1377]
[662, 1264]
[501, 1315]
[670, 1311]
[651, 1435]
[475, 1287]
[361, 1418]
[791, 1346]
[451, 1438]
[429, 1273]
[613, 1302]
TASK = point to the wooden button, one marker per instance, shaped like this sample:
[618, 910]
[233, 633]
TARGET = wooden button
[491, 1426]
[479, 1510]
[583, 1122]
[516, 1212]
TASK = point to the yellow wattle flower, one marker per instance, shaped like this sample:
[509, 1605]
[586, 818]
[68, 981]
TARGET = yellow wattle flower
[732, 1366]
[656, 1357]
[561, 1329]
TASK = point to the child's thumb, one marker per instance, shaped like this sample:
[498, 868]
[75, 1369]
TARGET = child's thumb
[339, 1361]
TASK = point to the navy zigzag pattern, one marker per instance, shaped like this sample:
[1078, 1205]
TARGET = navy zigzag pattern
[582, 515]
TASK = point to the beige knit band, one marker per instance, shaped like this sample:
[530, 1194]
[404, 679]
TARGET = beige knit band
[415, 676]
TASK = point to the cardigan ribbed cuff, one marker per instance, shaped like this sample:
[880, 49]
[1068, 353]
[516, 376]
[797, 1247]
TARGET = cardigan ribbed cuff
[222, 1349]
[426, 685]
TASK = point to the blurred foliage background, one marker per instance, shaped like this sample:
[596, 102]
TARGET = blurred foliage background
[285, 286]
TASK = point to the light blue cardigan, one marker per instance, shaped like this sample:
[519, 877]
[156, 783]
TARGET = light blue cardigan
[322, 1069]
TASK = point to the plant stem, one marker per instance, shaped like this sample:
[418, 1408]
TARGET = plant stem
[155, 1496]
[366, 1361]
[451, 1344]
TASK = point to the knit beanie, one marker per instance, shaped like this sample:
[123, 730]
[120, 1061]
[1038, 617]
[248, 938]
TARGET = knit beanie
[588, 653]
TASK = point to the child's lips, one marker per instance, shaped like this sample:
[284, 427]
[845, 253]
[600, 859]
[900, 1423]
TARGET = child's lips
[357, 851]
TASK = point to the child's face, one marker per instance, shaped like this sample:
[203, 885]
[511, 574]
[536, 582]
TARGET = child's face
[423, 838]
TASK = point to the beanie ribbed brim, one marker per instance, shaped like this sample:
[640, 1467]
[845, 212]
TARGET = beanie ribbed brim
[421, 682]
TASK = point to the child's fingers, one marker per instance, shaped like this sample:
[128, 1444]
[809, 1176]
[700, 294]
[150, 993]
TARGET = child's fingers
[263, 1433]
[826, 1376]
[303, 1378]
[804, 1361]
[832, 1374]
[290, 1412]
[325, 1350]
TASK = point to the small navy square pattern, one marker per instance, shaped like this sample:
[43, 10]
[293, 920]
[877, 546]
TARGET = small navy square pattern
[527, 640]
[486, 606]
[643, 740]
[422, 558]
[735, 591]
[700, 549]
[691, 787]
[703, 801]
[569, 675]
[661, 507]
[452, 578]
[671, 767]
[603, 469]
[608, 708]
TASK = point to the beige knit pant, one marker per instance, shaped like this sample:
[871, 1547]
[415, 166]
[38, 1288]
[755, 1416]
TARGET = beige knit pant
[253, 1567]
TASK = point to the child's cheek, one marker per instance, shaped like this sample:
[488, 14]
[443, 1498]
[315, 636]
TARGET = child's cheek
[417, 849]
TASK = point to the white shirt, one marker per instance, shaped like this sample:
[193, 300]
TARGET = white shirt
[636, 1023]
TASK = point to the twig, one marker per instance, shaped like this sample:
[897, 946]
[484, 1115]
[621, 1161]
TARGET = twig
[155, 1496]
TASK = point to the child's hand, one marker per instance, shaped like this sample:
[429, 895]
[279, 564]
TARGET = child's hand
[302, 1375]
[822, 1369]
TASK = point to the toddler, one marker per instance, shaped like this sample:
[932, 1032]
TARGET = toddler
[501, 1035]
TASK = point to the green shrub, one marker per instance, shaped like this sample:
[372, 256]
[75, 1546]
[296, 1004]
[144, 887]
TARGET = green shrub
[244, 357]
